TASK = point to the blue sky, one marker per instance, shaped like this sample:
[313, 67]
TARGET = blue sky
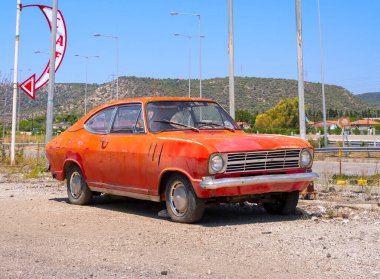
[265, 40]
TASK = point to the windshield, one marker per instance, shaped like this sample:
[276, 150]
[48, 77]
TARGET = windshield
[187, 115]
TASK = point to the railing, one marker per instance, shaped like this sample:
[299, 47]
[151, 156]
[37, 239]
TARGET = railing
[24, 144]
[346, 149]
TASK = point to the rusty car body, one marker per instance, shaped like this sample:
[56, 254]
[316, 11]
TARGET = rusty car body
[187, 152]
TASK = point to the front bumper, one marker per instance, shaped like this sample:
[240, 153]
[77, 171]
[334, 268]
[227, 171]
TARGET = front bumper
[210, 183]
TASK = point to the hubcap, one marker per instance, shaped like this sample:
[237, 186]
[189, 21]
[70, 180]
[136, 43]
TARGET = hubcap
[76, 184]
[179, 201]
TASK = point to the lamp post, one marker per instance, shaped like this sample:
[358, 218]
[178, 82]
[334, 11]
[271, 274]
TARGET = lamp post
[322, 77]
[189, 38]
[200, 45]
[301, 101]
[116, 38]
[86, 73]
[51, 84]
[231, 59]
[15, 83]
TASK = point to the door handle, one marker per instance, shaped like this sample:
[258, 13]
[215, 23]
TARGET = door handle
[103, 141]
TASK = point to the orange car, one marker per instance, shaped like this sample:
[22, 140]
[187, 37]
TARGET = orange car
[187, 152]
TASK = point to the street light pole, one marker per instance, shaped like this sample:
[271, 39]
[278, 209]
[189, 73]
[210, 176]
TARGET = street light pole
[200, 45]
[322, 77]
[301, 101]
[50, 100]
[189, 64]
[231, 59]
[86, 73]
[15, 83]
[117, 59]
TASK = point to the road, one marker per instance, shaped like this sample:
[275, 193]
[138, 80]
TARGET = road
[42, 236]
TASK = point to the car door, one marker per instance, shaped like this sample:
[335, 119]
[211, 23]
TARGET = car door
[126, 143]
[94, 143]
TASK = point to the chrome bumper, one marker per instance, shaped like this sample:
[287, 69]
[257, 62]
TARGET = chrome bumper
[210, 183]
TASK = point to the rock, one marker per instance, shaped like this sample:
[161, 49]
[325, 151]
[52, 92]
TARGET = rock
[316, 214]
[314, 218]
[329, 255]
[163, 214]
[164, 272]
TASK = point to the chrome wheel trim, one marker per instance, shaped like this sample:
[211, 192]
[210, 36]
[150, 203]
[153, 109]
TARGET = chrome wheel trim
[178, 199]
[76, 185]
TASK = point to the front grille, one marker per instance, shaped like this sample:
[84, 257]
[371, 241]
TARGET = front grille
[263, 160]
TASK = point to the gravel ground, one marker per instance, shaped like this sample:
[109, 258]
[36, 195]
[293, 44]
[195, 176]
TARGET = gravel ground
[42, 236]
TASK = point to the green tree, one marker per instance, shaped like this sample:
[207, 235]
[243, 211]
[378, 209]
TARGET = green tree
[283, 115]
[263, 121]
[244, 116]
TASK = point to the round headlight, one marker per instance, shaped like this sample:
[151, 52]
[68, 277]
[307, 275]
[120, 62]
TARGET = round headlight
[216, 163]
[306, 158]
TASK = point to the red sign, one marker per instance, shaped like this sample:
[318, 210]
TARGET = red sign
[31, 85]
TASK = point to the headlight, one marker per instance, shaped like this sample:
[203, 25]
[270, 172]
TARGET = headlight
[306, 158]
[216, 163]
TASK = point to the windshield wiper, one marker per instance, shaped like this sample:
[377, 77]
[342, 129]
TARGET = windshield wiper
[176, 123]
[206, 123]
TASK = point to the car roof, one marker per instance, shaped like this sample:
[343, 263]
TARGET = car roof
[152, 99]
[143, 100]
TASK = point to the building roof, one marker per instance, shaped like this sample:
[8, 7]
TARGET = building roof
[364, 122]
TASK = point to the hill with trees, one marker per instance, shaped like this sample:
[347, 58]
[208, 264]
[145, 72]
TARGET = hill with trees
[254, 95]
[372, 98]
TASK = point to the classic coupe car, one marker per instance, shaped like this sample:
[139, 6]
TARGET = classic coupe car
[187, 152]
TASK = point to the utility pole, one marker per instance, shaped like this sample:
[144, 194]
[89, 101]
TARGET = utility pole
[15, 84]
[50, 100]
[231, 58]
[322, 77]
[301, 100]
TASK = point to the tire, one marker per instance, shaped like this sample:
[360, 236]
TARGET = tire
[182, 204]
[77, 189]
[286, 205]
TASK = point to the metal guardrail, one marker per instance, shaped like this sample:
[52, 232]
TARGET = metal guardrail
[346, 149]
[24, 144]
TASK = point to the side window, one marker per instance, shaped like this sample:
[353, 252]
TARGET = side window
[128, 120]
[100, 122]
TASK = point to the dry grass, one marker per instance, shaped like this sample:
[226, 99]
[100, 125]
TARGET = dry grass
[25, 138]
[29, 167]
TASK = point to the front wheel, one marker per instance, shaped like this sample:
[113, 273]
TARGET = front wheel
[285, 205]
[77, 189]
[181, 202]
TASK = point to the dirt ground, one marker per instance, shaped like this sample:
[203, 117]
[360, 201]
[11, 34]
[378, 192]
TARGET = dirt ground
[42, 236]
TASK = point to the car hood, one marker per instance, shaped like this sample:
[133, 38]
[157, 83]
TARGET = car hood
[238, 141]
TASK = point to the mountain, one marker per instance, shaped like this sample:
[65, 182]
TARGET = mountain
[372, 99]
[252, 94]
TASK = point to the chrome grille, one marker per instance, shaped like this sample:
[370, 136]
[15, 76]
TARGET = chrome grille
[263, 160]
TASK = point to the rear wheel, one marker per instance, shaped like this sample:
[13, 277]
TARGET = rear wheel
[77, 189]
[181, 202]
[285, 205]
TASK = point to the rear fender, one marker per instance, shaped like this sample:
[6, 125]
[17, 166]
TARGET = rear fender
[71, 159]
